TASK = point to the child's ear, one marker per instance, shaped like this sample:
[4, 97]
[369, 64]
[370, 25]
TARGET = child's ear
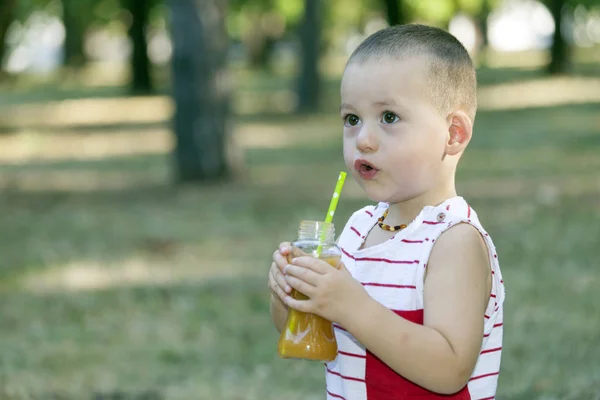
[460, 131]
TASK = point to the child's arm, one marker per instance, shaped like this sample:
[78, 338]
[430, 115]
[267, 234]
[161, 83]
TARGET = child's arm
[439, 355]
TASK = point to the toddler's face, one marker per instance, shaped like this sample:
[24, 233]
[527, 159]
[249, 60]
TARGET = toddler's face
[394, 137]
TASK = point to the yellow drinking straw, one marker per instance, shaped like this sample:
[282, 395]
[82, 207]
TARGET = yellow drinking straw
[332, 206]
[335, 197]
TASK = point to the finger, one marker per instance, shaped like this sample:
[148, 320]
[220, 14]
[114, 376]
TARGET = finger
[317, 265]
[307, 275]
[275, 288]
[285, 248]
[301, 286]
[299, 305]
[280, 278]
[280, 260]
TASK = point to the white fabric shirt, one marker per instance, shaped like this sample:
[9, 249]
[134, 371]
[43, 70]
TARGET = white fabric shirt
[393, 273]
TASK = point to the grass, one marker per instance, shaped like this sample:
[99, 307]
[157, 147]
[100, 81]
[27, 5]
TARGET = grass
[147, 291]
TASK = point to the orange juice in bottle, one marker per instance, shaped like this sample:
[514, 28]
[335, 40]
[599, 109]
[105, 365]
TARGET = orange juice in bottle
[305, 335]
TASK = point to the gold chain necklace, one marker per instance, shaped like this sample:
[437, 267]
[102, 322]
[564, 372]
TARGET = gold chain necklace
[387, 227]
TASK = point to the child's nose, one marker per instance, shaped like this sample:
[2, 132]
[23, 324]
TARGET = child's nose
[367, 141]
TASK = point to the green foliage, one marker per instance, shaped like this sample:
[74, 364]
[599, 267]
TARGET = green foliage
[471, 7]
[242, 15]
[438, 12]
[25, 8]
[290, 9]
[348, 14]
[573, 3]
[106, 11]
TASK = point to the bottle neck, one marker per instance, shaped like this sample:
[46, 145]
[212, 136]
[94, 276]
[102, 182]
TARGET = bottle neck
[316, 230]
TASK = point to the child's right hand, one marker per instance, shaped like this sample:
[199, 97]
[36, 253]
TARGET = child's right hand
[277, 283]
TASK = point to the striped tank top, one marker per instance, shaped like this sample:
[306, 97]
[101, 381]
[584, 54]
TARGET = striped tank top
[393, 273]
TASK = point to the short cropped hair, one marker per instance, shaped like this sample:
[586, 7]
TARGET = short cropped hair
[452, 76]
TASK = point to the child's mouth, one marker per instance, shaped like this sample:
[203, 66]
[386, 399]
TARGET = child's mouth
[365, 169]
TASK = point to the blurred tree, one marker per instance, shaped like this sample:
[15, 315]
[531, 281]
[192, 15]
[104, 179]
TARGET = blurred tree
[344, 19]
[76, 17]
[435, 12]
[141, 81]
[200, 89]
[253, 32]
[482, 23]
[259, 24]
[309, 84]
[7, 15]
[560, 53]
[395, 12]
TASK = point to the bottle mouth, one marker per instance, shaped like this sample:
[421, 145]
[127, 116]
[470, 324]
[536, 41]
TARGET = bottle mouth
[317, 230]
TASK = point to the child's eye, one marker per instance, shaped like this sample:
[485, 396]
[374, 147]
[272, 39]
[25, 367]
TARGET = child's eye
[351, 120]
[389, 118]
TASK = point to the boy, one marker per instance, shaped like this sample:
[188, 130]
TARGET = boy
[417, 302]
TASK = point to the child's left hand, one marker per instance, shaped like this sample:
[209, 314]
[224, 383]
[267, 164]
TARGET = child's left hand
[333, 293]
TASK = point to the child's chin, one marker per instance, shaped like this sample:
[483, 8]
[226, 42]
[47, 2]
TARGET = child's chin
[377, 196]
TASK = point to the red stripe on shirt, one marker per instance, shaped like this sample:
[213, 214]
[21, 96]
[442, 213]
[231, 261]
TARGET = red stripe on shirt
[352, 257]
[352, 354]
[487, 398]
[349, 378]
[448, 207]
[495, 326]
[385, 260]
[388, 285]
[337, 396]
[369, 212]
[432, 222]
[491, 350]
[353, 229]
[411, 241]
[468, 211]
[336, 326]
[484, 376]
[493, 295]
[486, 316]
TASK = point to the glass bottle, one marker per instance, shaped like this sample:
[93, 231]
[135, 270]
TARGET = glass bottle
[305, 335]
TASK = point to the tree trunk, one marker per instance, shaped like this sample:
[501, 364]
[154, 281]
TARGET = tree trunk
[310, 35]
[7, 10]
[141, 81]
[482, 20]
[560, 52]
[482, 25]
[259, 44]
[74, 34]
[201, 97]
[394, 11]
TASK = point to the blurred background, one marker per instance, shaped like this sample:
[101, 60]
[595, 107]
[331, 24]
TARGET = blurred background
[154, 153]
